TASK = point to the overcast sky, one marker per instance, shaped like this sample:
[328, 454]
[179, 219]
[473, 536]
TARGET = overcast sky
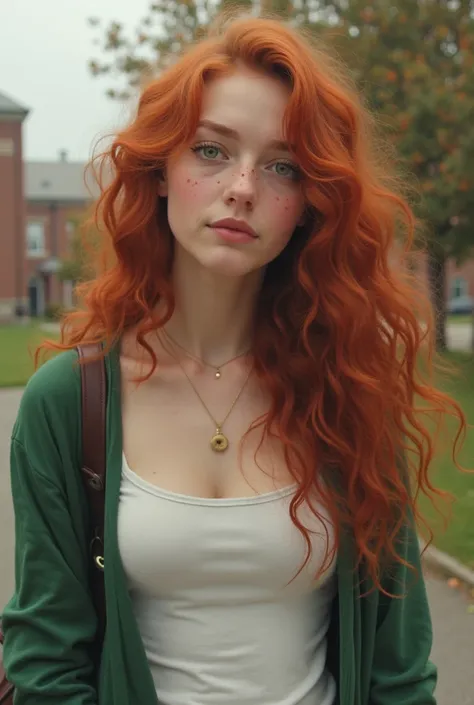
[44, 49]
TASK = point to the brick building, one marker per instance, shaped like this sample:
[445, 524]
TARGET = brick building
[12, 206]
[459, 282]
[39, 203]
[56, 196]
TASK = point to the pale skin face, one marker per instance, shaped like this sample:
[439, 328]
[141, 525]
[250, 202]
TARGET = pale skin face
[241, 176]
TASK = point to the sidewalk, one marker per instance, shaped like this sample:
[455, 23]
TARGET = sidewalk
[459, 337]
[453, 650]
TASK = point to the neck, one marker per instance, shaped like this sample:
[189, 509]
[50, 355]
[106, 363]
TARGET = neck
[214, 314]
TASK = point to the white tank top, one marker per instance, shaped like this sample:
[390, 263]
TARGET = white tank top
[209, 579]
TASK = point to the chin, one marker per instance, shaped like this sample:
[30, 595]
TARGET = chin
[230, 262]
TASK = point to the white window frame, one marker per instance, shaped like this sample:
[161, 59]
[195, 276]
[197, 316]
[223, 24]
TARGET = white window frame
[35, 238]
[461, 285]
[70, 229]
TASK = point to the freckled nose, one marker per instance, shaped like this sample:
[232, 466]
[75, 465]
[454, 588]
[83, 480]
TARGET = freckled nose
[242, 185]
[246, 178]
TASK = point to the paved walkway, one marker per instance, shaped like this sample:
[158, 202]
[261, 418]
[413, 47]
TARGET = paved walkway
[453, 650]
[453, 626]
[459, 336]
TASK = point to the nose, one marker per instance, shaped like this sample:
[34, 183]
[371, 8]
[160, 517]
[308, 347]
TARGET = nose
[242, 186]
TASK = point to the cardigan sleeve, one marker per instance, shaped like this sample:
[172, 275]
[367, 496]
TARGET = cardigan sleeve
[402, 673]
[49, 623]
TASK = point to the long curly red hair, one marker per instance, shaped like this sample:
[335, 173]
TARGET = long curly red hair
[341, 325]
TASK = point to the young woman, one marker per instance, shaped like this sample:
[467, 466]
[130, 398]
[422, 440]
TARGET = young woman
[261, 353]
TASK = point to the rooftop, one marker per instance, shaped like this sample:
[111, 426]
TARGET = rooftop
[56, 181]
[10, 107]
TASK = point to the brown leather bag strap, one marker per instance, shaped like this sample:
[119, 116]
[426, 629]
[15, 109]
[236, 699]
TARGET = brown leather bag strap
[93, 392]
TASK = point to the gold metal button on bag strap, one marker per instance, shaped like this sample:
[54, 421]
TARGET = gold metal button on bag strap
[219, 441]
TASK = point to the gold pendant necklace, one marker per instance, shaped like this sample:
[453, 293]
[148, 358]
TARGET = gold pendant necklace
[219, 441]
[218, 369]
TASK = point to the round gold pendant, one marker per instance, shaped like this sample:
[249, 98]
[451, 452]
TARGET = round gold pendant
[219, 442]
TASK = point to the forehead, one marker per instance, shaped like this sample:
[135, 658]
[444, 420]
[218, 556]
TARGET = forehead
[251, 103]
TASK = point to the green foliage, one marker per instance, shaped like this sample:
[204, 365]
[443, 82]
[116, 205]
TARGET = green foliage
[415, 64]
[77, 266]
[53, 312]
[165, 31]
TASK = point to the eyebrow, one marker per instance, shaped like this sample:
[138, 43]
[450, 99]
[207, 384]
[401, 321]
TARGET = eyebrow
[230, 132]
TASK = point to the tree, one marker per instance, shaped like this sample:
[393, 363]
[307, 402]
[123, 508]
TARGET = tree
[77, 266]
[166, 29]
[415, 64]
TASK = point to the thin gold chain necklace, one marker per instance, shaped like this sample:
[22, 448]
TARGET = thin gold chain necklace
[218, 368]
[219, 442]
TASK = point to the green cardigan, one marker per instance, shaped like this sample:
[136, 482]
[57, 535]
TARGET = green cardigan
[378, 648]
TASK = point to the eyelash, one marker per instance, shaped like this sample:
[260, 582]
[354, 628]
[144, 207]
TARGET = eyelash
[201, 145]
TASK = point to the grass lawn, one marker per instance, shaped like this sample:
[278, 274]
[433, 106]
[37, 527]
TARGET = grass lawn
[458, 538]
[18, 344]
[462, 318]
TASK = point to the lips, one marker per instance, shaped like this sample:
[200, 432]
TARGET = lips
[233, 224]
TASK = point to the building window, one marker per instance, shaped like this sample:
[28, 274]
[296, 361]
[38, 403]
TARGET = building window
[460, 287]
[70, 230]
[35, 238]
[7, 148]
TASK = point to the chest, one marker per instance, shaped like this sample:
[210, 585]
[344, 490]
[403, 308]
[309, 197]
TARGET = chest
[167, 433]
[219, 550]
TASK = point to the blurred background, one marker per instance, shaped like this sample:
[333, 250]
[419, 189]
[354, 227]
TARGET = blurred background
[69, 75]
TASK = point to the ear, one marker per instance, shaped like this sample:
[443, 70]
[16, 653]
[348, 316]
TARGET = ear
[303, 219]
[308, 215]
[162, 182]
[162, 187]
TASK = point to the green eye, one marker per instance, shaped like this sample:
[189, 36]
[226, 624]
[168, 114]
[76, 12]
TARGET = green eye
[199, 149]
[293, 170]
